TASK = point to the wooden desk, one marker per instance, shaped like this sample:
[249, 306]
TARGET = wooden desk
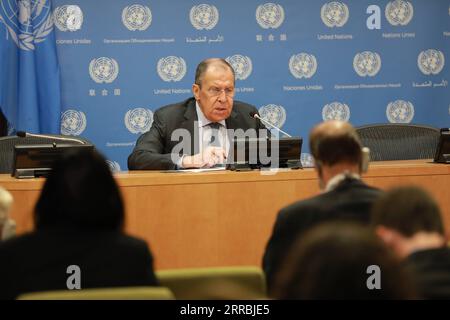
[223, 218]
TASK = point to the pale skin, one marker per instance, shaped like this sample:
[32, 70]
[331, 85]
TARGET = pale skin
[403, 246]
[215, 108]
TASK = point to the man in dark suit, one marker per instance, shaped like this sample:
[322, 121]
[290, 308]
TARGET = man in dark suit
[409, 221]
[338, 156]
[181, 133]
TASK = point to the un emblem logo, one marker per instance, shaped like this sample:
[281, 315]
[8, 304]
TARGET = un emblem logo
[204, 16]
[73, 122]
[367, 63]
[28, 22]
[242, 66]
[113, 166]
[138, 120]
[307, 160]
[68, 18]
[399, 12]
[336, 111]
[171, 68]
[136, 17]
[276, 115]
[303, 65]
[334, 14]
[270, 15]
[103, 70]
[400, 111]
[431, 61]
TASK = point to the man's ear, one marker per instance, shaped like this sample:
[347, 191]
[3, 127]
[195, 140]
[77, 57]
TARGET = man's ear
[365, 155]
[196, 91]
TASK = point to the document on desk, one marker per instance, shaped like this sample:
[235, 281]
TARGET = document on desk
[221, 168]
[204, 170]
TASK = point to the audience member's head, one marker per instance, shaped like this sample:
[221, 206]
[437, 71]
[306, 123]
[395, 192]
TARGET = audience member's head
[408, 219]
[80, 193]
[336, 148]
[333, 261]
[7, 226]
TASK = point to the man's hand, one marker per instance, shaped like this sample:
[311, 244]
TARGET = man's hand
[207, 159]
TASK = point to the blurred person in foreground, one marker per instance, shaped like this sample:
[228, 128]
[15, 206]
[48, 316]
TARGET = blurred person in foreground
[79, 220]
[7, 225]
[409, 221]
[340, 261]
[339, 162]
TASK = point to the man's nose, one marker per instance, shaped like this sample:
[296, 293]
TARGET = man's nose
[222, 96]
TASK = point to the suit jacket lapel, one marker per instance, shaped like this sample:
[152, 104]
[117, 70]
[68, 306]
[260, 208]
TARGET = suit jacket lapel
[189, 123]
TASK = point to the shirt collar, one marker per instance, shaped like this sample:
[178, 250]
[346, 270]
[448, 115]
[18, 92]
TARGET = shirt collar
[337, 179]
[202, 120]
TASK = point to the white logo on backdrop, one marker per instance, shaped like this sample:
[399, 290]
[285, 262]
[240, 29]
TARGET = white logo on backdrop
[400, 111]
[73, 122]
[103, 70]
[68, 17]
[336, 111]
[274, 114]
[136, 17]
[242, 66]
[113, 166]
[138, 120]
[303, 65]
[431, 61]
[28, 22]
[204, 16]
[171, 68]
[367, 63]
[399, 12]
[334, 14]
[270, 15]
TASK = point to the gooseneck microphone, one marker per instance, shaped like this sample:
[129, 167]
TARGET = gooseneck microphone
[23, 134]
[254, 115]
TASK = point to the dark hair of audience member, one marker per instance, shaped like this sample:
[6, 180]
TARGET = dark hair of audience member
[331, 262]
[80, 193]
[408, 210]
[323, 144]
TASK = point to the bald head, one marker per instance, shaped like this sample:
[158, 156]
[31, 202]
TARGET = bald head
[334, 142]
[211, 63]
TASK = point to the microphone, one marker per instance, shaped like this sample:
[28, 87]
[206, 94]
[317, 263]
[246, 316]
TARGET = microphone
[23, 134]
[254, 115]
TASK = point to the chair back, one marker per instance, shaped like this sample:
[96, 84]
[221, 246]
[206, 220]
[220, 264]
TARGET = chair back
[395, 141]
[125, 293]
[8, 143]
[241, 282]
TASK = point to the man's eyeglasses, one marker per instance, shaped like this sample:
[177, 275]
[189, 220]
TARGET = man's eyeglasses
[215, 92]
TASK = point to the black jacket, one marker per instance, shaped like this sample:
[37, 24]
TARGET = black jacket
[38, 261]
[431, 270]
[350, 200]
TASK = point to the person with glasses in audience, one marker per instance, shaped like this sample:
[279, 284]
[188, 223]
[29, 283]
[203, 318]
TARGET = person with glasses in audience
[195, 133]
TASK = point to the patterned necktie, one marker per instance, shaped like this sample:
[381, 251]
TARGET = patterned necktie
[215, 134]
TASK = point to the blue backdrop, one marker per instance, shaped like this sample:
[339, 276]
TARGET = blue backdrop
[298, 61]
